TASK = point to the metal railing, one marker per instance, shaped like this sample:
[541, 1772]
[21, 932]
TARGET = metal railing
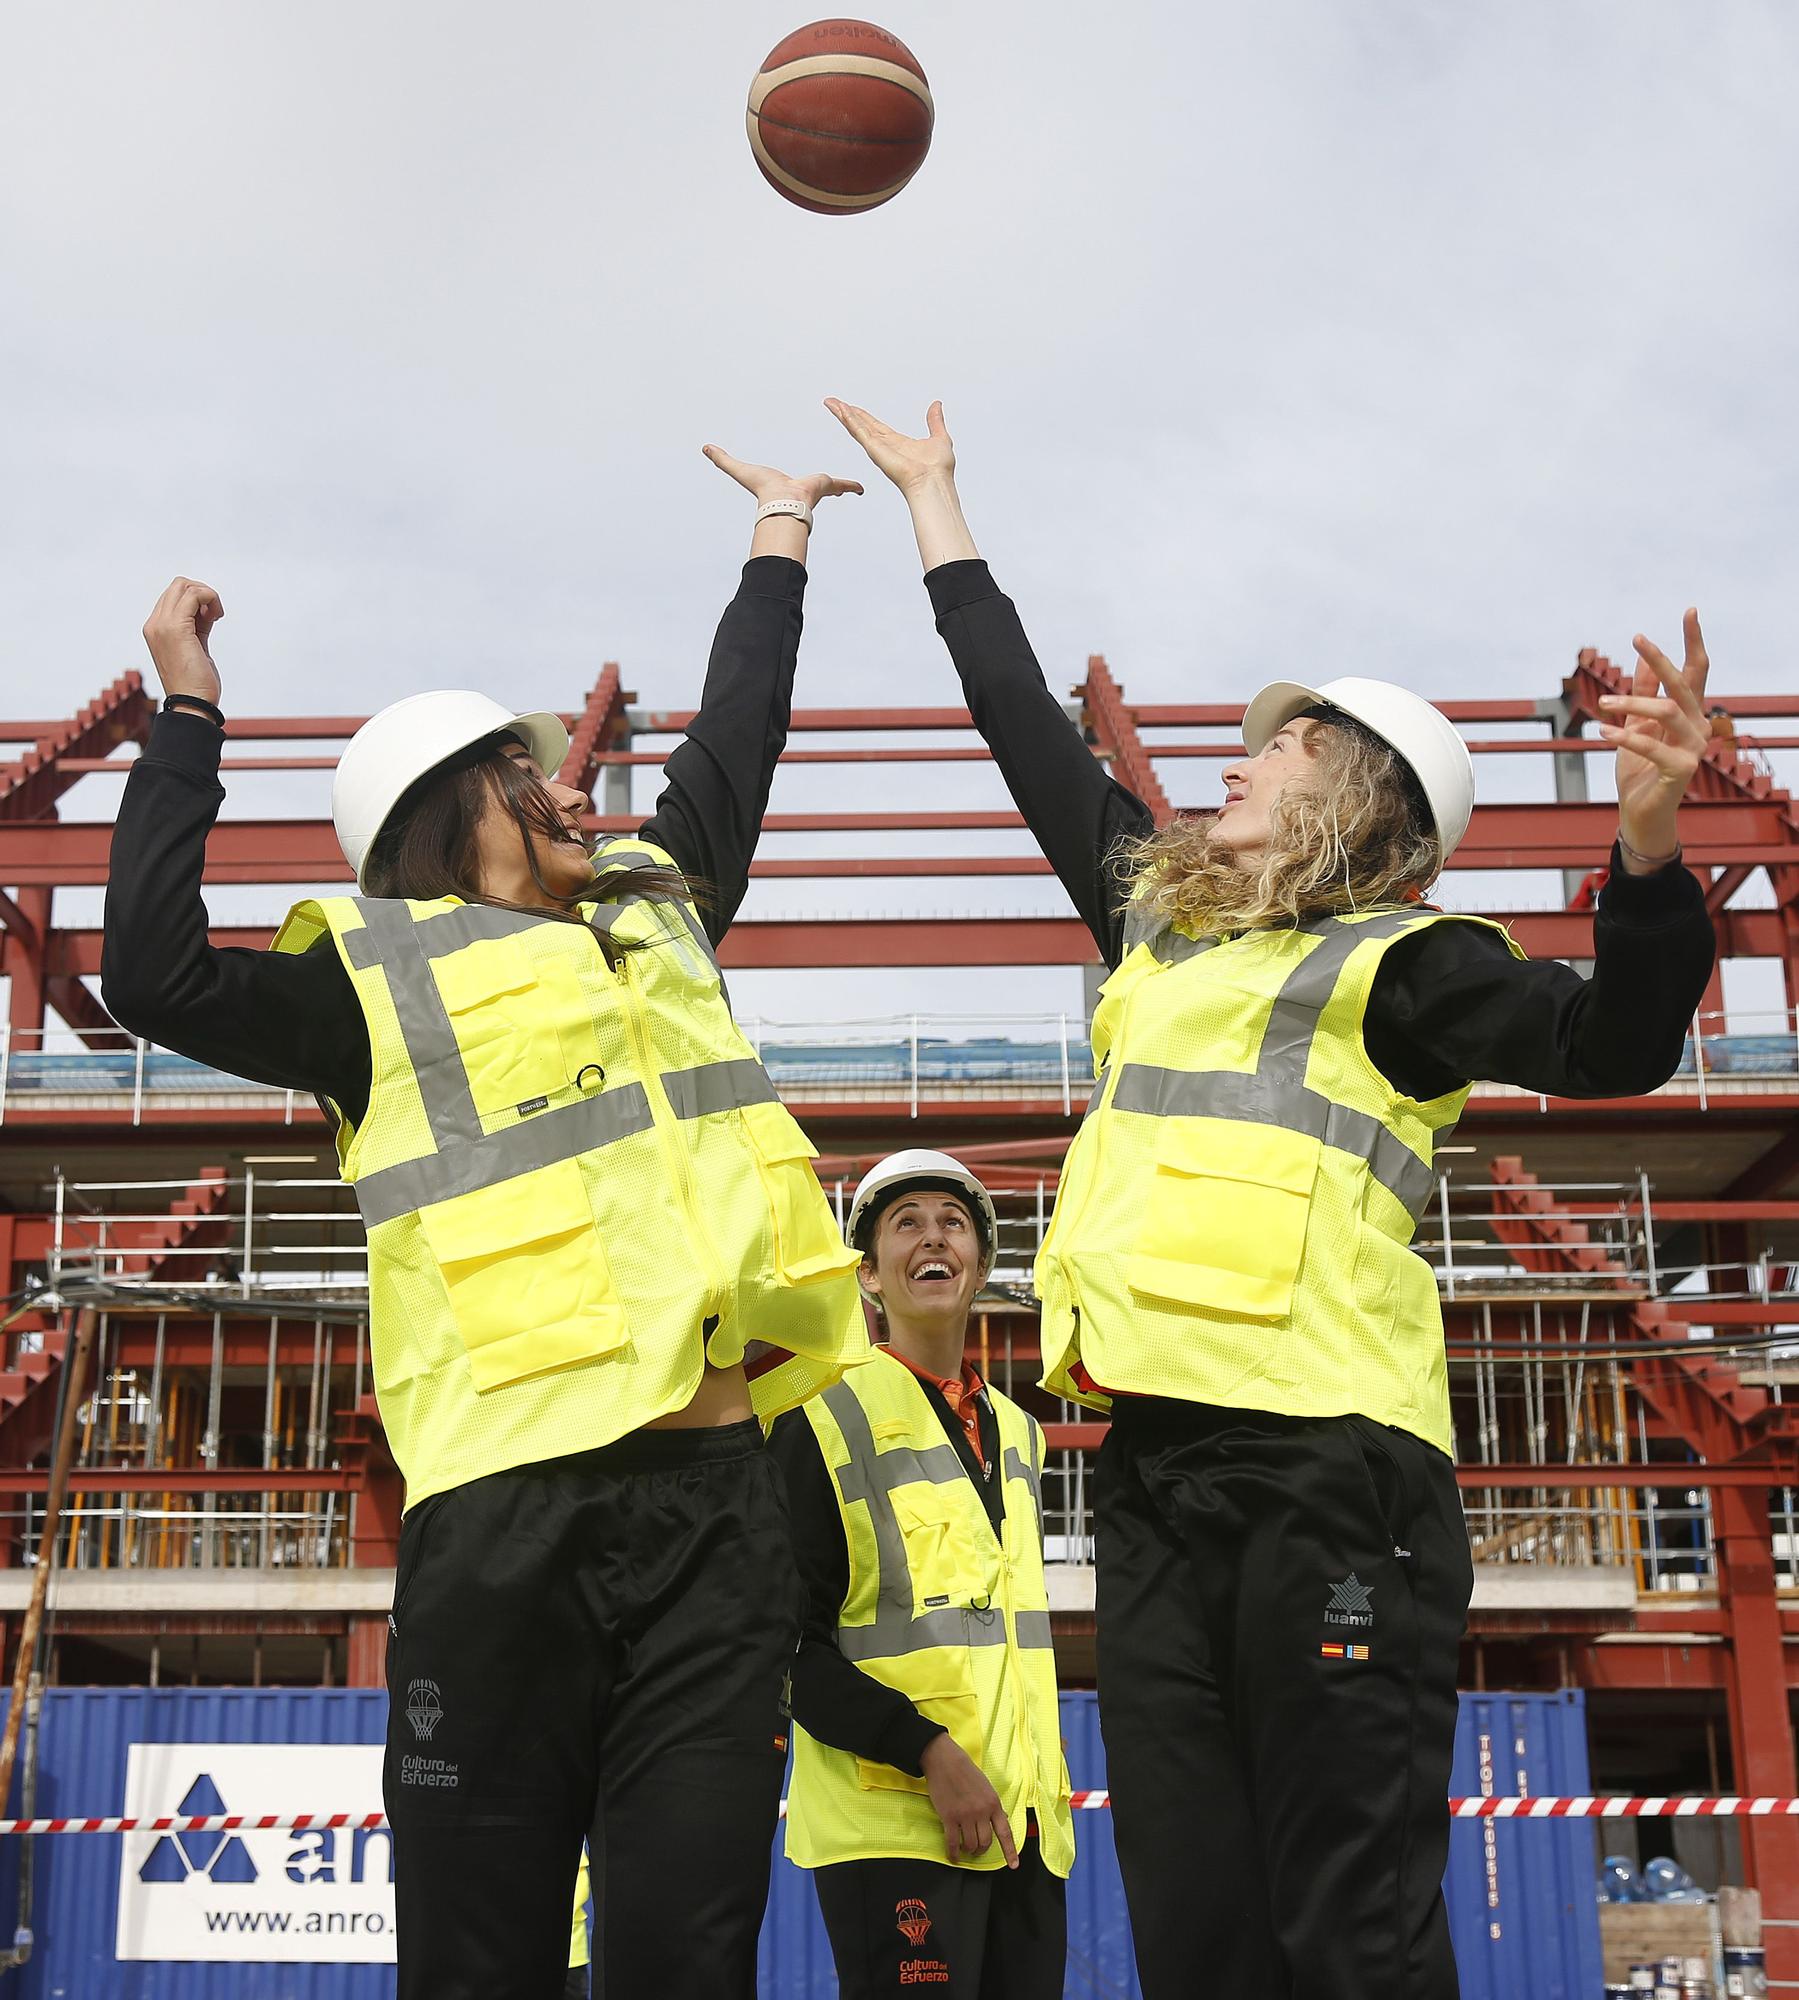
[137, 1530]
[906, 1058]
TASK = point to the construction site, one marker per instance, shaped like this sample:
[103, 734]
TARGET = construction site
[1620, 1279]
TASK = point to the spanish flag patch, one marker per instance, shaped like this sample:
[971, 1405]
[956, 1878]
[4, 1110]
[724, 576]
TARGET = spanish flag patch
[1334, 1649]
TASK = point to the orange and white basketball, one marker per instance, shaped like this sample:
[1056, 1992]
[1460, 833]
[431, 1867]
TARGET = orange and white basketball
[840, 117]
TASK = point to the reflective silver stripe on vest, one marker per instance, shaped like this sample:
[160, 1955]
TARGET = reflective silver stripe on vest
[615, 858]
[1276, 1092]
[1017, 1469]
[870, 1477]
[467, 1158]
[397, 945]
[562, 1134]
[719, 1086]
[1155, 928]
[1032, 1628]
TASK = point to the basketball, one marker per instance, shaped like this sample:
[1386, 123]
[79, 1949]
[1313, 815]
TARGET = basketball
[840, 117]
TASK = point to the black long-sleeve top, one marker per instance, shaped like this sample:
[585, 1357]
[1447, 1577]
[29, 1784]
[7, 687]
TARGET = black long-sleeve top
[294, 1021]
[1450, 1004]
[833, 1699]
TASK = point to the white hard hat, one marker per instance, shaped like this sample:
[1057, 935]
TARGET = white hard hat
[1422, 735]
[393, 750]
[918, 1166]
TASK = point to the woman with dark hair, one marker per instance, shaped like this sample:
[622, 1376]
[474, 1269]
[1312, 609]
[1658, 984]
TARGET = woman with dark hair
[598, 1258]
[1288, 1031]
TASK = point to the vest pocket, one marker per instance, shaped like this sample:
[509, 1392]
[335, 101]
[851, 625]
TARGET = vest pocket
[1224, 1222]
[505, 1011]
[526, 1274]
[809, 1247]
[955, 1708]
[940, 1548]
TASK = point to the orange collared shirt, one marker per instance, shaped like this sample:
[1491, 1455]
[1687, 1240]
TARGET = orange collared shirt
[963, 1396]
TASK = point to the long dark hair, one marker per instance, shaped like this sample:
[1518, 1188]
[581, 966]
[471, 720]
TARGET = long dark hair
[428, 847]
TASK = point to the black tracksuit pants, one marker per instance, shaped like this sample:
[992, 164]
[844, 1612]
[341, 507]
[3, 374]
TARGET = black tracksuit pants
[900, 1927]
[596, 1646]
[1280, 1606]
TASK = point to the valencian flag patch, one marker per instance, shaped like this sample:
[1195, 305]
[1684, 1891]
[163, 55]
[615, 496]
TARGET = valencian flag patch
[1335, 1649]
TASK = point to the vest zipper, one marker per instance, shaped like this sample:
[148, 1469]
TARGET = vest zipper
[674, 1147]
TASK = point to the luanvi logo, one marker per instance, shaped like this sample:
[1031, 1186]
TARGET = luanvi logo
[1351, 1602]
[424, 1708]
[220, 1857]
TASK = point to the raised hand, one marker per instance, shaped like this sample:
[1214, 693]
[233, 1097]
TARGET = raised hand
[766, 483]
[909, 462]
[1661, 732]
[176, 633]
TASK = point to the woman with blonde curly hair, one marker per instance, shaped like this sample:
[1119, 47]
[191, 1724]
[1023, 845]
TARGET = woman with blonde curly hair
[1288, 1031]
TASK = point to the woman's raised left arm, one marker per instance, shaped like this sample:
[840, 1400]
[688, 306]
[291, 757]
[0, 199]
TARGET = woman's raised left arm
[717, 779]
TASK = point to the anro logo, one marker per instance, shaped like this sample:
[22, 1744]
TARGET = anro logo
[220, 1857]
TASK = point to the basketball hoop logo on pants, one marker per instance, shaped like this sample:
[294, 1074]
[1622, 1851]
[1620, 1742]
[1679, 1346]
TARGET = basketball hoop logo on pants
[424, 1708]
[912, 1920]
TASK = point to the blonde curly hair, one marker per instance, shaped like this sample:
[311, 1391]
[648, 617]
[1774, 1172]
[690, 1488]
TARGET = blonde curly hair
[1357, 837]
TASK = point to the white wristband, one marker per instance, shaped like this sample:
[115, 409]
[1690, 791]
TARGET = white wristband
[795, 509]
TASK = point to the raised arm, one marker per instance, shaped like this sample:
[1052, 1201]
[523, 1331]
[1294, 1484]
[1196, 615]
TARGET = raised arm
[1453, 1006]
[1076, 811]
[717, 779]
[289, 1021]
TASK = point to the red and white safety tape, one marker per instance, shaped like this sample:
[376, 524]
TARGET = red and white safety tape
[1506, 1807]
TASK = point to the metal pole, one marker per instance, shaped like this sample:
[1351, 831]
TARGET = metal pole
[1067, 1097]
[249, 1223]
[5, 1064]
[46, 1559]
[153, 1433]
[1655, 1285]
[137, 1082]
[209, 1444]
[268, 1435]
[914, 1065]
[1448, 1243]
[1699, 1059]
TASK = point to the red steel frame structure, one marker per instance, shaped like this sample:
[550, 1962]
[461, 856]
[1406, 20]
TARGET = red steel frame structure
[1722, 1170]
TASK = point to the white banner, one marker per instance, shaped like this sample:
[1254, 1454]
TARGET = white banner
[323, 1896]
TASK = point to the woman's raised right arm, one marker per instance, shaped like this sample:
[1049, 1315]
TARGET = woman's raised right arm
[1078, 813]
[291, 1021]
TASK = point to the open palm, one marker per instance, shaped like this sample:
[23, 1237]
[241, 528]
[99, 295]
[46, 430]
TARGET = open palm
[1660, 732]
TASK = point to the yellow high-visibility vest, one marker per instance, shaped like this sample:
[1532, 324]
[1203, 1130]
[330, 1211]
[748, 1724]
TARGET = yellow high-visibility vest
[1236, 1212]
[953, 1615]
[578, 1952]
[578, 1183]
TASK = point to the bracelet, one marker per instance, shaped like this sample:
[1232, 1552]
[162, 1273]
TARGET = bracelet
[794, 509]
[1649, 860]
[213, 714]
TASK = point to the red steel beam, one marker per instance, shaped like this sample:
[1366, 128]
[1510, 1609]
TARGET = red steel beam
[975, 939]
[1719, 832]
[1114, 730]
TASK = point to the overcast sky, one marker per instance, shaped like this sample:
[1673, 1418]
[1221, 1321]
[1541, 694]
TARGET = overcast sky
[1414, 339]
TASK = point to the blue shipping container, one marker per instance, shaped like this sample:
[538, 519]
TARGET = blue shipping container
[1521, 1904]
